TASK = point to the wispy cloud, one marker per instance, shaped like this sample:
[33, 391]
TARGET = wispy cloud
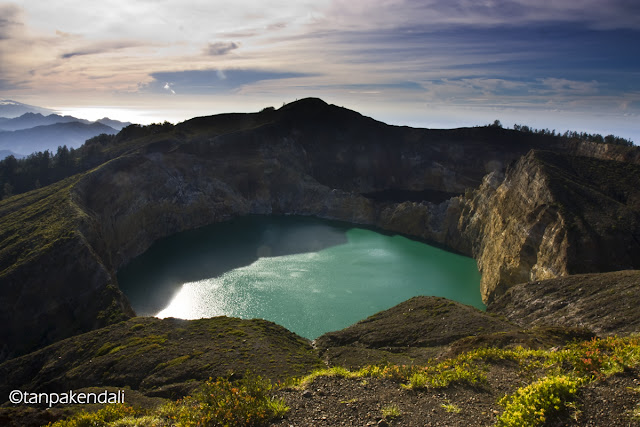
[100, 48]
[433, 15]
[571, 86]
[203, 82]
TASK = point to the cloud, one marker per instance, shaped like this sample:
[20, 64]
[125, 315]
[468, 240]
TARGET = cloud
[167, 87]
[571, 86]
[212, 81]
[438, 14]
[10, 20]
[100, 48]
[220, 48]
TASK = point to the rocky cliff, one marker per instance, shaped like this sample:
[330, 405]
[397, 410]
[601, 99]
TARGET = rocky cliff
[553, 215]
[546, 215]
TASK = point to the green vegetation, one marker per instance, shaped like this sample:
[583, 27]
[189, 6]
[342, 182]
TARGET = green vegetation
[109, 415]
[246, 402]
[34, 222]
[450, 407]
[391, 411]
[173, 362]
[42, 168]
[531, 405]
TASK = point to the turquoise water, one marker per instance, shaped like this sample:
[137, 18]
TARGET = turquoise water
[308, 275]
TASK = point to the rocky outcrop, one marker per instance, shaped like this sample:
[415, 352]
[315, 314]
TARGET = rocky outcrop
[606, 303]
[411, 332]
[515, 227]
[619, 153]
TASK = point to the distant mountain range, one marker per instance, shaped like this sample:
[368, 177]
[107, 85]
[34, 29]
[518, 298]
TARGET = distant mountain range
[7, 153]
[25, 129]
[31, 120]
[11, 109]
[50, 137]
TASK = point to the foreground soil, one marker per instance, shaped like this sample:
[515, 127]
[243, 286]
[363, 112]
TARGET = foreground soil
[333, 401]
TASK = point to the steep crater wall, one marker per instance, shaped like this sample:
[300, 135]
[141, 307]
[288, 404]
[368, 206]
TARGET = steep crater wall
[549, 215]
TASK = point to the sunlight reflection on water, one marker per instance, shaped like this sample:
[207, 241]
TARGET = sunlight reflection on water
[315, 292]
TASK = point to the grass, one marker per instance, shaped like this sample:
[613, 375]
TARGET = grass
[391, 411]
[33, 222]
[450, 407]
[246, 402]
[173, 362]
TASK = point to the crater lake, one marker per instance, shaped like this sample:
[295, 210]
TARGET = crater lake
[309, 275]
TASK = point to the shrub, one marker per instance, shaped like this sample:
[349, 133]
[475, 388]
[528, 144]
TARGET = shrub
[102, 417]
[533, 404]
[246, 402]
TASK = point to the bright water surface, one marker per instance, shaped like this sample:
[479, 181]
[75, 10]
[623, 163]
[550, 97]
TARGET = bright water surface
[309, 275]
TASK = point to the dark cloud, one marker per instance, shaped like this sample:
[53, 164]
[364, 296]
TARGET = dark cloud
[277, 26]
[100, 48]
[212, 81]
[413, 86]
[220, 48]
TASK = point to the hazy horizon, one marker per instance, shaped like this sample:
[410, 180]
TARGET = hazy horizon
[559, 65]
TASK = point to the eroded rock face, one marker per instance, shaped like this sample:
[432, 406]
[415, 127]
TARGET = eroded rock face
[606, 303]
[552, 215]
[517, 231]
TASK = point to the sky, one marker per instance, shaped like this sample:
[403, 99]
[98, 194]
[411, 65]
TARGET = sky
[557, 64]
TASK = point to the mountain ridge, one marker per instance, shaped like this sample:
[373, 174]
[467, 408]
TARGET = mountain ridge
[12, 109]
[31, 120]
[317, 160]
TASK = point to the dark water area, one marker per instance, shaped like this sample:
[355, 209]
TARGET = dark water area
[309, 275]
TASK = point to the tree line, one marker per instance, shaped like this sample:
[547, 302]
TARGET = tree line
[44, 167]
[569, 135]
